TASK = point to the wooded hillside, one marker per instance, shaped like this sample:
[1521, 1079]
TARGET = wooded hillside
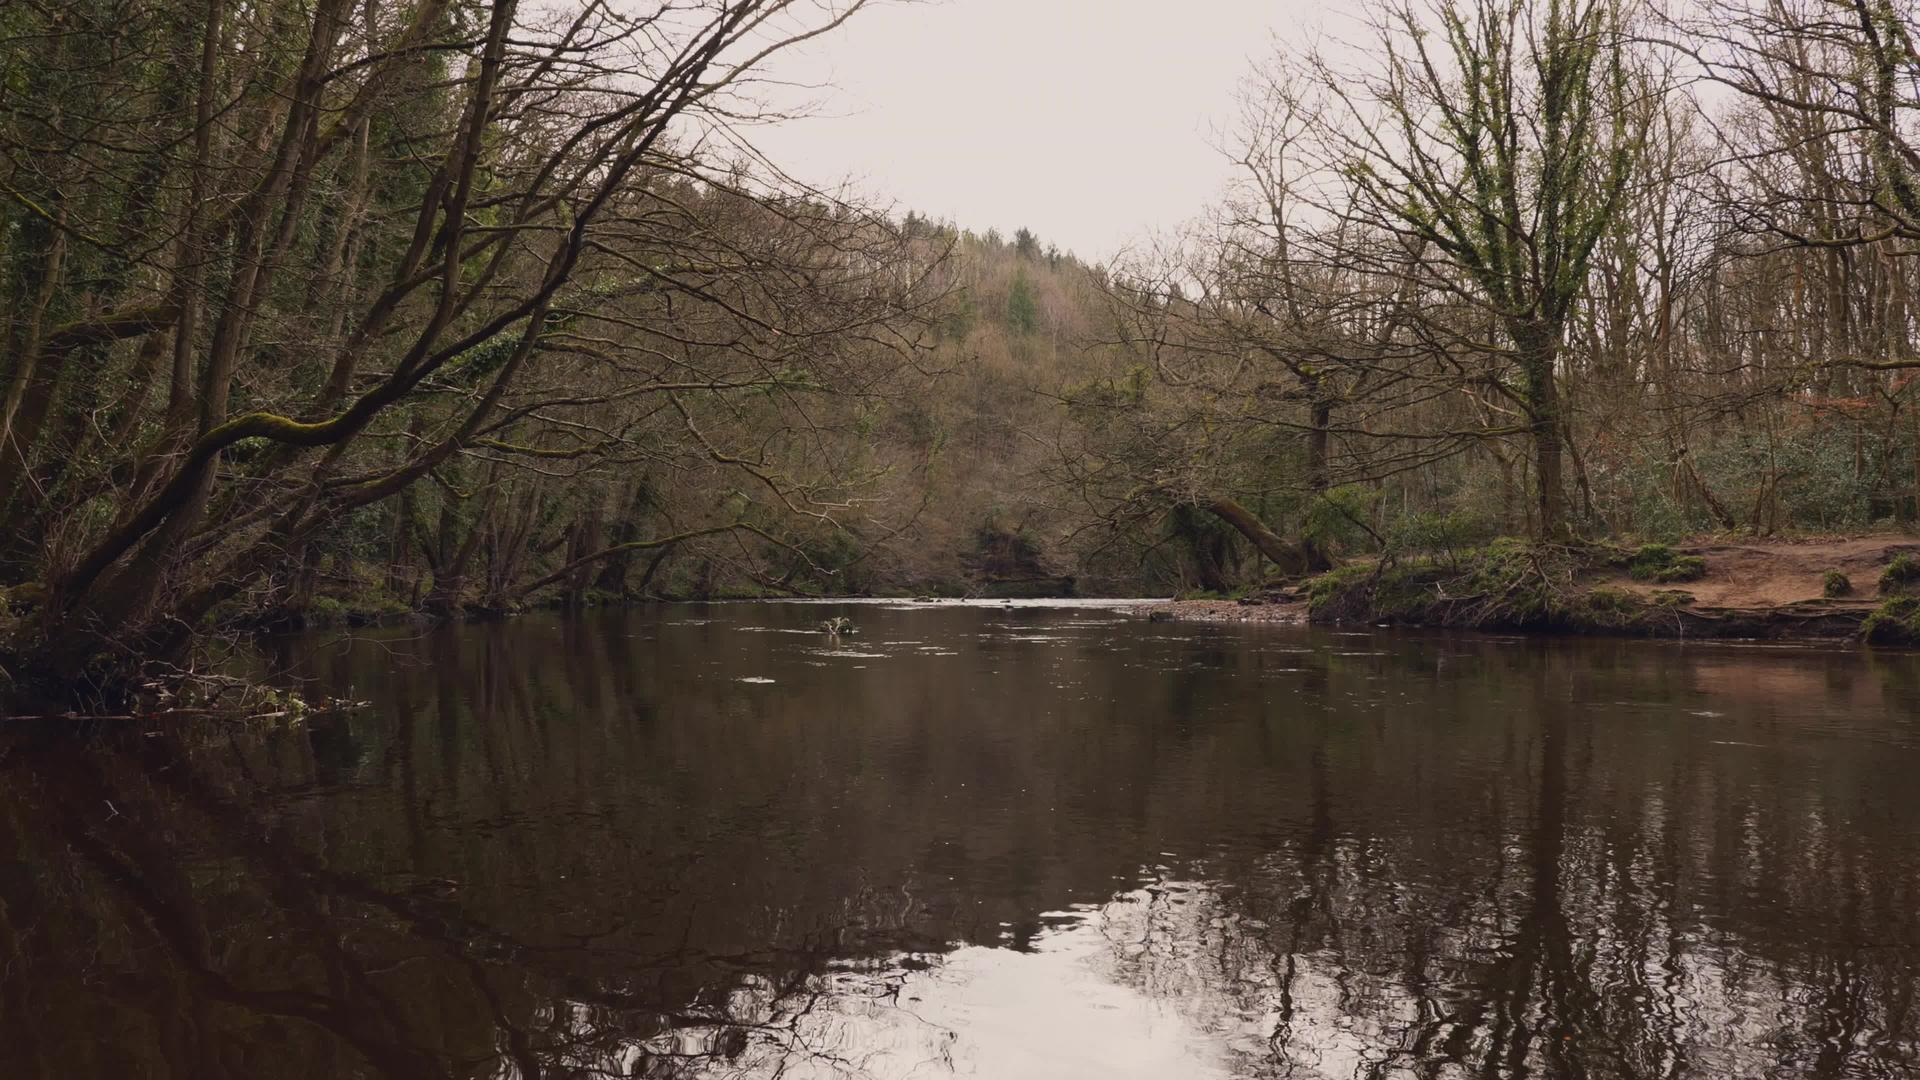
[330, 310]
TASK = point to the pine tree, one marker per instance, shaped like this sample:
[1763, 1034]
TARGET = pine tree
[1023, 312]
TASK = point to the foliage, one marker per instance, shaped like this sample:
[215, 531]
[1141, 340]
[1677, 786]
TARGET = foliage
[1023, 313]
[1336, 520]
[475, 342]
[1894, 622]
[1660, 563]
[1507, 584]
[327, 290]
[1441, 533]
[1900, 574]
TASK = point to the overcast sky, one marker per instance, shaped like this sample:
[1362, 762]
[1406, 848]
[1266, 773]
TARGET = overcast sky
[1087, 121]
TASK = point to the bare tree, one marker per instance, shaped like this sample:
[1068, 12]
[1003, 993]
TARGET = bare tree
[373, 240]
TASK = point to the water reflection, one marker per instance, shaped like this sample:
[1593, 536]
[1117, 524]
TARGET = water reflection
[999, 843]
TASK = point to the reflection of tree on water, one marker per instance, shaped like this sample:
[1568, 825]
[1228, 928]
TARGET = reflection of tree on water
[1545, 939]
[574, 849]
[254, 958]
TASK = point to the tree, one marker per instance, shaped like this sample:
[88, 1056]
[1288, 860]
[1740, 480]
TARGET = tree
[359, 243]
[1023, 311]
[1497, 141]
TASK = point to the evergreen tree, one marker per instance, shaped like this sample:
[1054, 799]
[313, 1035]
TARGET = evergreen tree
[1023, 312]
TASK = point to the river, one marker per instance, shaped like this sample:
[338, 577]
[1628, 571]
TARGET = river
[982, 840]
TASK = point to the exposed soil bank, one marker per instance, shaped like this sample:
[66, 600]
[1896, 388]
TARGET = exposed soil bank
[1825, 589]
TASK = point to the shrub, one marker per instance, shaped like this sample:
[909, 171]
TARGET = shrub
[1659, 563]
[325, 611]
[1684, 568]
[1507, 583]
[1608, 606]
[1896, 622]
[1449, 534]
[1900, 573]
[1836, 584]
[1608, 598]
[1650, 557]
[1332, 520]
[1331, 584]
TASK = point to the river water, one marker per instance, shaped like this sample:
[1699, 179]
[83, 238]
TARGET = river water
[989, 841]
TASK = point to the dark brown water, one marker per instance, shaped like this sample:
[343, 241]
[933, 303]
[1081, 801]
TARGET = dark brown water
[708, 842]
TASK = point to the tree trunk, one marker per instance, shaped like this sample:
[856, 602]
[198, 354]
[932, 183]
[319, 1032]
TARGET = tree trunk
[1318, 472]
[653, 567]
[1916, 463]
[1204, 549]
[1539, 349]
[1288, 558]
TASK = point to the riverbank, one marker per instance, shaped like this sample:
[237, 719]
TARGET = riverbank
[1817, 589]
[1809, 588]
[1276, 608]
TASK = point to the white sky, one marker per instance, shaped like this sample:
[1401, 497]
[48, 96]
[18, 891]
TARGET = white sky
[1087, 121]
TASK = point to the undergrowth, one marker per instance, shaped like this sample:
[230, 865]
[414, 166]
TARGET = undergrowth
[1899, 575]
[1661, 564]
[1507, 584]
[1896, 622]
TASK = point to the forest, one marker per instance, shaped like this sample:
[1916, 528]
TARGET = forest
[335, 311]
